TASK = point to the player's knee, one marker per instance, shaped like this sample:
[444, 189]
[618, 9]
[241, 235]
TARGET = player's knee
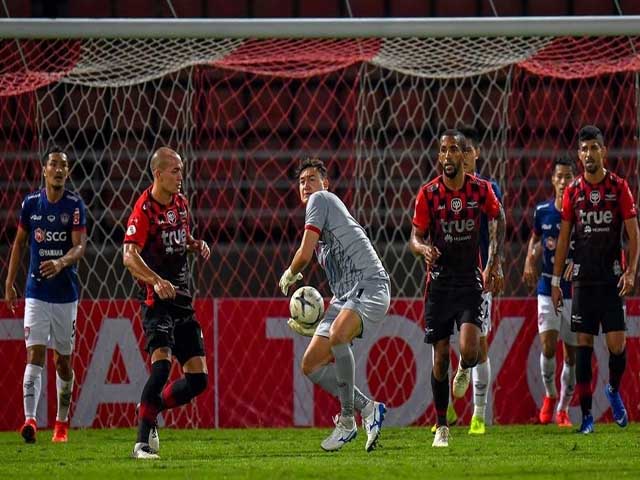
[63, 367]
[548, 348]
[36, 355]
[197, 382]
[469, 358]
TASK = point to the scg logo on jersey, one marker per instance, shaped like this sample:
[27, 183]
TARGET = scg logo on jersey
[41, 235]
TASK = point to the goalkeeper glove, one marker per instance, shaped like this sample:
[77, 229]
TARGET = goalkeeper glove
[301, 329]
[287, 279]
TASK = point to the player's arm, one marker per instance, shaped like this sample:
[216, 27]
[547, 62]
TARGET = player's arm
[10, 294]
[559, 259]
[419, 245]
[532, 261]
[494, 277]
[140, 270]
[300, 260]
[50, 268]
[628, 279]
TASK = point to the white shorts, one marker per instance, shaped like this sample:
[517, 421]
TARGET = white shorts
[548, 320]
[52, 324]
[485, 315]
[370, 298]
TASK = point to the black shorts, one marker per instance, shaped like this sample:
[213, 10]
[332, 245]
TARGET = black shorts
[167, 325]
[595, 305]
[448, 307]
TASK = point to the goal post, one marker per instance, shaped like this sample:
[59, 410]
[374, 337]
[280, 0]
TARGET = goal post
[242, 101]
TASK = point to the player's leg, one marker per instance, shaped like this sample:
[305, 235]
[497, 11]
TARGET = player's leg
[189, 351]
[481, 375]
[37, 325]
[63, 338]
[471, 312]
[158, 328]
[568, 376]
[585, 321]
[617, 364]
[440, 390]
[548, 330]
[344, 328]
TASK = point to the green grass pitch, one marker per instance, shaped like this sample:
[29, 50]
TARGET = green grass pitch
[406, 453]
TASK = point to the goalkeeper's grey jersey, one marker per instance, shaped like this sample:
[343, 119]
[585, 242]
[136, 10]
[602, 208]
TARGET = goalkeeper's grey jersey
[344, 250]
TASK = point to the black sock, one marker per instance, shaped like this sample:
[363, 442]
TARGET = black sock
[617, 365]
[150, 400]
[583, 378]
[440, 390]
[182, 391]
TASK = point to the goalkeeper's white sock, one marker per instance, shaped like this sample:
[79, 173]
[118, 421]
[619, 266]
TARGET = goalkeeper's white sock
[31, 385]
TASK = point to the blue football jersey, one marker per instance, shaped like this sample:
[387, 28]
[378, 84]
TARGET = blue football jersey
[546, 225]
[484, 223]
[49, 226]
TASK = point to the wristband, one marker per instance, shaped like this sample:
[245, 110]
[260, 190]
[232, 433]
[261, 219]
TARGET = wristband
[555, 281]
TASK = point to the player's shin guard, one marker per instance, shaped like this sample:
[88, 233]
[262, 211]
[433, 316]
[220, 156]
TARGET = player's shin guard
[548, 372]
[440, 390]
[64, 389]
[567, 386]
[184, 390]
[31, 386]
[150, 400]
[346, 375]
[583, 378]
[617, 365]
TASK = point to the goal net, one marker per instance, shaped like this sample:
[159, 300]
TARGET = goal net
[242, 112]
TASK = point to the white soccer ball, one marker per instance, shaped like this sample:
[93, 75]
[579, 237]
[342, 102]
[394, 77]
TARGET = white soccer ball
[306, 306]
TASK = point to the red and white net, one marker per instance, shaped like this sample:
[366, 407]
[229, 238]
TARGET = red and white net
[242, 113]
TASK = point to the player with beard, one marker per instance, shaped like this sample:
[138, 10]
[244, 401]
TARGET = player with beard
[446, 233]
[596, 206]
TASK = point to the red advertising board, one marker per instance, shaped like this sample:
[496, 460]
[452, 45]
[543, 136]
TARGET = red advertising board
[254, 367]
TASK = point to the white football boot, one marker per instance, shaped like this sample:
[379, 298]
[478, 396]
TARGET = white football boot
[340, 435]
[372, 424]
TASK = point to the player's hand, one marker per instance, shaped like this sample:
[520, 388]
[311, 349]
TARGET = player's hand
[50, 268]
[529, 275]
[201, 247]
[494, 278]
[164, 289]
[287, 279]
[568, 271]
[301, 329]
[10, 298]
[431, 255]
[556, 299]
[626, 283]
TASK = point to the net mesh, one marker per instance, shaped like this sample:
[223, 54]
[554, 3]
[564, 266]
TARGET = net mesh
[243, 111]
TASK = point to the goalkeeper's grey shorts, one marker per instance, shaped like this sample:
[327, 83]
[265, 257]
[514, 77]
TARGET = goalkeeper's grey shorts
[370, 299]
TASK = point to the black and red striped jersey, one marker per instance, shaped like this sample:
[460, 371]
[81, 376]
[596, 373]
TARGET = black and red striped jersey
[451, 218]
[162, 232]
[597, 212]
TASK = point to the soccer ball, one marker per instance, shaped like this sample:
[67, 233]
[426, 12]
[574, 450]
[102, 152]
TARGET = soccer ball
[306, 306]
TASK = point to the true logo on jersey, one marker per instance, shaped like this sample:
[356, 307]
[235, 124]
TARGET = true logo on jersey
[458, 226]
[76, 216]
[41, 235]
[456, 205]
[51, 218]
[597, 218]
[594, 196]
[64, 218]
[171, 216]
